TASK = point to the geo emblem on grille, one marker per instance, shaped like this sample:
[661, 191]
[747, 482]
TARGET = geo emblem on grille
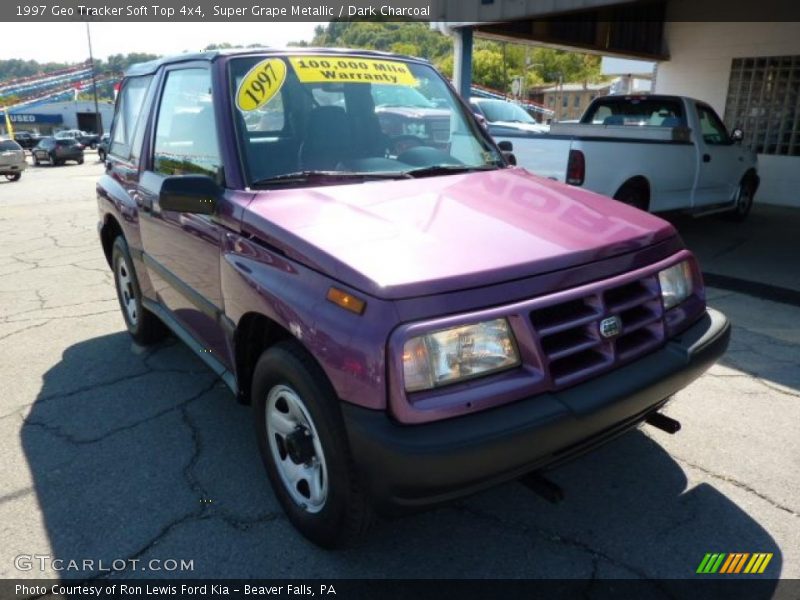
[610, 326]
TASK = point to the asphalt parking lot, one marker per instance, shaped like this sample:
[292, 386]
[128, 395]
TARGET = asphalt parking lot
[110, 451]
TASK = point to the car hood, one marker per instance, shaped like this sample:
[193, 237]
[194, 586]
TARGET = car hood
[406, 238]
[414, 112]
[531, 127]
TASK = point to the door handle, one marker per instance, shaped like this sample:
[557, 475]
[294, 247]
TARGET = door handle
[706, 158]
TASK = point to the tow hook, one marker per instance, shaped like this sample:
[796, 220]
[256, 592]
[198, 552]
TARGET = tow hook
[543, 487]
[663, 422]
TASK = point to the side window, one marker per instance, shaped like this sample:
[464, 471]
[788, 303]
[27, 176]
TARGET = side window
[712, 129]
[186, 134]
[601, 114]
[128, 115]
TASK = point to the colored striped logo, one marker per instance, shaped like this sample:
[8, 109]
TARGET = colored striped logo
[736, 562]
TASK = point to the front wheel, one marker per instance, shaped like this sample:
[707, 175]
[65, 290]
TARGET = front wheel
[80, 160]
[744, 202]
[143, 325]
[304, 448]
[13, 176]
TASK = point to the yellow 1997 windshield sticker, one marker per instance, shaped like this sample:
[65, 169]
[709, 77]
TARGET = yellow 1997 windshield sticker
[260, 84]
[348, 69]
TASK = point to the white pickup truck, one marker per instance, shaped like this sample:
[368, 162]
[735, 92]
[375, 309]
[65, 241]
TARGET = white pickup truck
[658, 153]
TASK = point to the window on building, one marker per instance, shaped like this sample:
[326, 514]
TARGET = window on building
[577, 100]
[565, 101]
[764, 102]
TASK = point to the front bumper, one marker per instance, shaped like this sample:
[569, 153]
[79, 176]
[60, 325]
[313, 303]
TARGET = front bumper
[410, 466]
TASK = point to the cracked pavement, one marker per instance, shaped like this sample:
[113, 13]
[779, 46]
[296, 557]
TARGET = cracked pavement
[112, 451]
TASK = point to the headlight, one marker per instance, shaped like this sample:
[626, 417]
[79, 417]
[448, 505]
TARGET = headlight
[676, 284]
[459, 353]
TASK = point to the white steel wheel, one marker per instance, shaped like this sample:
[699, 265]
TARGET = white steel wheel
[126, 294]
[295, 449]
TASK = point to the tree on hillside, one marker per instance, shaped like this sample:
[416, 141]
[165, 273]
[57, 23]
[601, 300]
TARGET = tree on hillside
[494, 64]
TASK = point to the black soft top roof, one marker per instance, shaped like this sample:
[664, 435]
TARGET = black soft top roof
[152, 66]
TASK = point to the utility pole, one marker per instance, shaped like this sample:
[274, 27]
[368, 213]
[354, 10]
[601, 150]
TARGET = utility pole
[97, 120]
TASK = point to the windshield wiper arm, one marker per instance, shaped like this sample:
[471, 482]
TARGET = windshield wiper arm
[447, 169]
[317, 175]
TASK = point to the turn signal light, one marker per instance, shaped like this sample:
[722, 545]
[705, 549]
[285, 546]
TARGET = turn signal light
[346, 301]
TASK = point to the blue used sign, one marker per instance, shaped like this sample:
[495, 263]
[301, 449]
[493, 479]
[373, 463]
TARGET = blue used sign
[31, 119]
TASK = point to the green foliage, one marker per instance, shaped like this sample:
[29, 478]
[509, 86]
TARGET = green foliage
[416, 39]
[494, 64]
[16, 67]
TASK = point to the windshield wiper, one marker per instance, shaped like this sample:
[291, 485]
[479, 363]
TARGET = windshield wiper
[447, 170]
[321, 176]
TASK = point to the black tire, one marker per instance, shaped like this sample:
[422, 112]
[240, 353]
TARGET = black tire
[346, 514]
[744, 202]
[14, 176]
[93, 145]
[144, 326]
[80, 161]
[101, 155]
[633, 194]
[35, 161]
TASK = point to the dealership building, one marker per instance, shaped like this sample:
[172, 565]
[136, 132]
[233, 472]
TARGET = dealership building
[748, 71]
[50, 117]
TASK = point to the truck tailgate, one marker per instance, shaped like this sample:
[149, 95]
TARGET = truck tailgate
[541, 154]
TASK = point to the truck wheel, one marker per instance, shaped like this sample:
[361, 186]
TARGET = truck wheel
[744, 202]
[304, 447]
[634, 195]
[143, 325]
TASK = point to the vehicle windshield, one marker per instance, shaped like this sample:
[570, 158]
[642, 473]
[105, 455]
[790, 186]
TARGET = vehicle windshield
[499, 110]
[655, 112]
[8, 145]
[303, 115]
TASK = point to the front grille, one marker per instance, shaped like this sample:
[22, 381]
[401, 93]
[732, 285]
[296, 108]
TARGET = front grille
[570, 338]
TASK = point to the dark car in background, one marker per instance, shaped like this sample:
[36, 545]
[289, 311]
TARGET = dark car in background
[27, 139]
[12, 160]
[85, 139]
[102, 146]
[504, 118]
[410, 118]
[57, 151]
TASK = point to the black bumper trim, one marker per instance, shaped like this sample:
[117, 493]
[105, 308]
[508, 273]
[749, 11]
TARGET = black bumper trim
[408, 466]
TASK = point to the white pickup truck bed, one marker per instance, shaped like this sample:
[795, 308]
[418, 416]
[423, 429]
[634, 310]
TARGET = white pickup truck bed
[663, 166]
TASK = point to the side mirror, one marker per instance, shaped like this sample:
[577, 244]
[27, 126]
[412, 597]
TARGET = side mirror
[507, 149]
[189, 194]
[737, 135]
